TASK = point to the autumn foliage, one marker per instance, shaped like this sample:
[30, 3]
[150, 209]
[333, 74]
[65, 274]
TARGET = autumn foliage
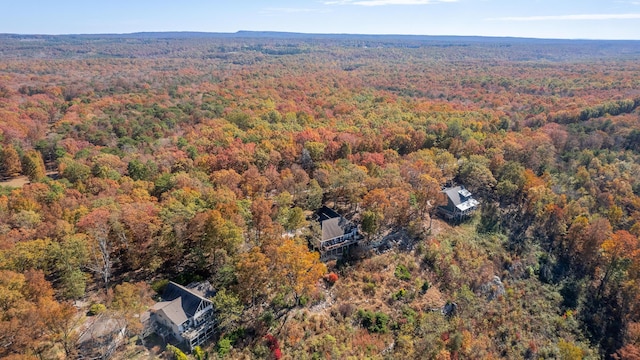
[331, 278]
[274, 346]
[126, 161]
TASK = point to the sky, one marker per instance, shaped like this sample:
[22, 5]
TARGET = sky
[565, 19]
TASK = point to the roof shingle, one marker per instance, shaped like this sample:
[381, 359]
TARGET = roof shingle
[180, 303]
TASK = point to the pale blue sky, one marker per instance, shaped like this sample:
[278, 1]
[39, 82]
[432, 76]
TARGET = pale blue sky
[586, 19]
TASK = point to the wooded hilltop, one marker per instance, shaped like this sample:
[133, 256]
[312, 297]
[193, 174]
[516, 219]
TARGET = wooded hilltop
[131, 161]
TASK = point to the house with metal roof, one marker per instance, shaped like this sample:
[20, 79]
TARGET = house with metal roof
[460, 204]
[185, 314]
[338, 235]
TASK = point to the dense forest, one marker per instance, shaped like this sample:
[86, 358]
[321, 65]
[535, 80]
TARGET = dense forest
[130, 161]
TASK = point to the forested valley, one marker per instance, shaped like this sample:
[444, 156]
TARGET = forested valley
[130, 161]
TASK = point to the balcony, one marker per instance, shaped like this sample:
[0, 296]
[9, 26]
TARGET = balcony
[345, 240]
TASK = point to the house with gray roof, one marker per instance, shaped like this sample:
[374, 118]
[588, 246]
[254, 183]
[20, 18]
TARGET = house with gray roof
[337, 234]
[460, 204]
[185, 315]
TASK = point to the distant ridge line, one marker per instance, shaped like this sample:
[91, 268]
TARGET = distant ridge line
[311, 36]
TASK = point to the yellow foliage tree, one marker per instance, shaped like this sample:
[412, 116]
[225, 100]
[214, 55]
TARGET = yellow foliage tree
[252, 271]
[569, 351]
[297, 269]
[33, 165]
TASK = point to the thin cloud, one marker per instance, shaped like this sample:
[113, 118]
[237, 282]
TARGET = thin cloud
[387, 2]
[568, 17]
[274, 11]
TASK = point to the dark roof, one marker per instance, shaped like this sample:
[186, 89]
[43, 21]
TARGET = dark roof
[325, 213]
[181, 303]
[202, 288]
[460, 197]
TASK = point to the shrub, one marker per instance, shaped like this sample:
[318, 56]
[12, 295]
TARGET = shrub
[235, 335]
[401, 294]
[425, 286]
[96, 309]
[279, 301]
[274, 346]
[568, 350]
[409, 314]
[331, 278]
[402, 273]
[200, 354]
[374, 322]
[260, 351]
[455, 342]
[267, 318]
[224, 346]
[177, 353]
[159, 285]
[369, 289]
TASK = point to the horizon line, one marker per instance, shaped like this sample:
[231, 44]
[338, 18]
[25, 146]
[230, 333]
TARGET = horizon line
[342, 34]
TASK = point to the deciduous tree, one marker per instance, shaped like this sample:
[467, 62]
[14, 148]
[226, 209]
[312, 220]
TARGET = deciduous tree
[33, 166]
[253, 275]
[97, 225]
[297, 269]
[9, 161]
[228, 308]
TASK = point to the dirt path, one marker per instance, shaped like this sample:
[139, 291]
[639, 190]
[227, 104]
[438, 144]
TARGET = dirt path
[20, 181]
[16, 182]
